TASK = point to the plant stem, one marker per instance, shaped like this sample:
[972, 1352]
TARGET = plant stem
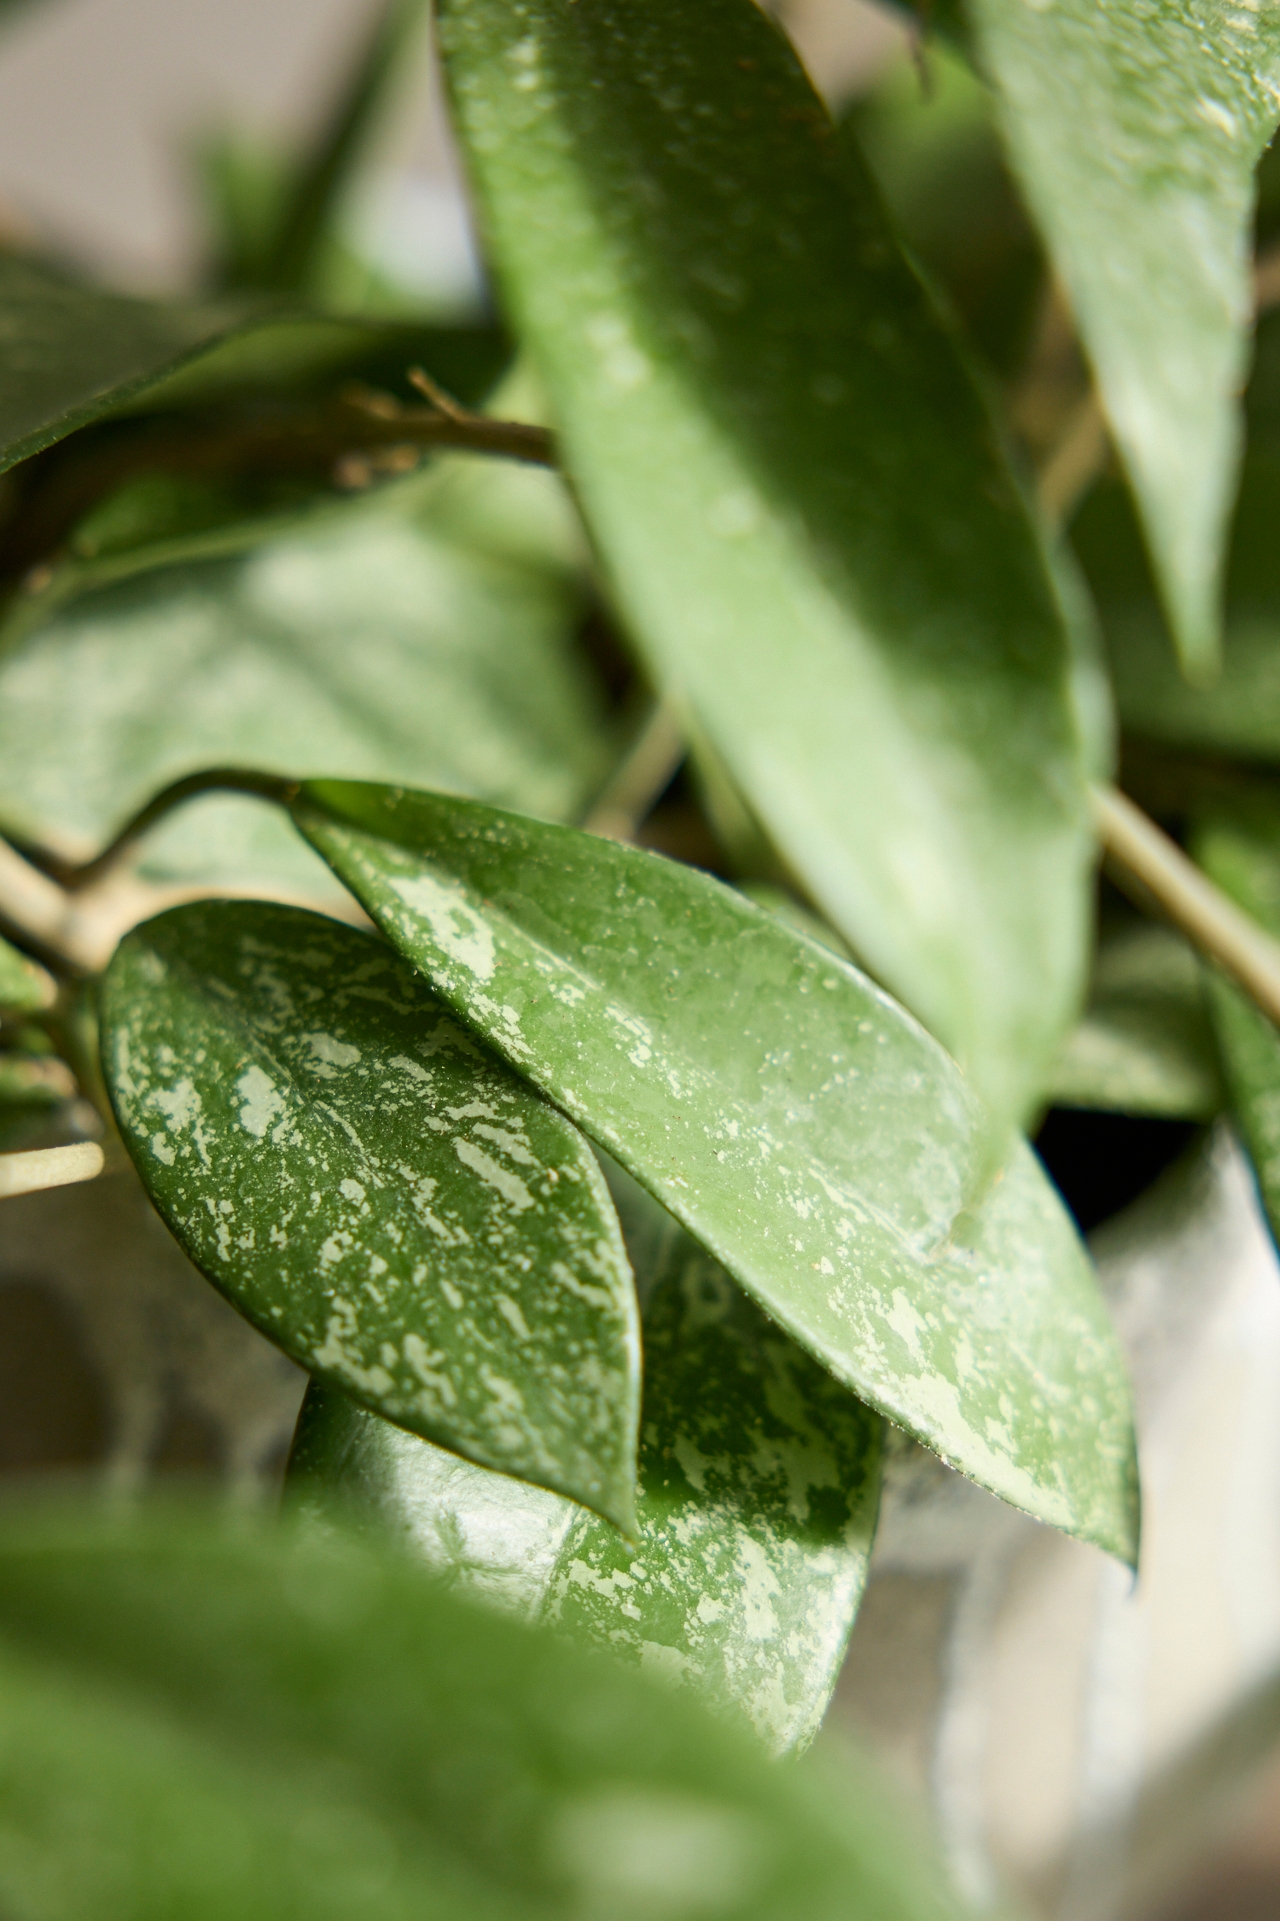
[1142, 854]
[229, 780]
[635, 784]
[47, 1167]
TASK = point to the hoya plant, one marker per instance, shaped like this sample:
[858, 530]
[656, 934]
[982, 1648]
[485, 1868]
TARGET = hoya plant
[565, 846]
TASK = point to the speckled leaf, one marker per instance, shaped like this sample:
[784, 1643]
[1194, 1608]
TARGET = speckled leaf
[24, 987]
[759, 1479]
[214, 1718]
[375, 1192]
[72, 354]
[800, 500]
[798, 1123]
[425, 634]
[1145, 1044]
[1134, 130]
[1239, 847]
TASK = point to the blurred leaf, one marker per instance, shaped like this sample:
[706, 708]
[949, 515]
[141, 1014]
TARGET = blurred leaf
[759, 1482]
[24, 987]
[230, 1722]
[378, 1195]
[307, 211]
[1239, 847]
[1145, 1044]
[930, 136]
[792, 1117]
[1134, 133]
[71, 354]
[34, 1080]
[424, 633]
[797, 491]
[1239, 715]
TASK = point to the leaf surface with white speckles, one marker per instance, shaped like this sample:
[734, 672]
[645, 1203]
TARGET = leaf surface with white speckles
[800, 499]
[789, 1114]
[377, 1193]
[759, 1480]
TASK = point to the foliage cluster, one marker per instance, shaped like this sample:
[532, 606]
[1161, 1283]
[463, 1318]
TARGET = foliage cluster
[707, 681]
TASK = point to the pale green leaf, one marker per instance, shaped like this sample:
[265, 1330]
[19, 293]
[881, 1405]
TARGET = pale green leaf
[72, 354]
[24, 987]
[1144, 1044]
[797, 491]
[1134, 131]
[1239, 847]
[383, 1199]
[426, 634]
[759, 1481]
[230, 1723]
[799, 1124]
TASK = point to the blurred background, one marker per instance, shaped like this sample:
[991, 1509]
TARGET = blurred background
[1096, 1750]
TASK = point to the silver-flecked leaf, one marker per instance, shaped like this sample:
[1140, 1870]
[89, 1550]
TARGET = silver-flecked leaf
[790, 1115]
[759, 1483]
[377, 1193]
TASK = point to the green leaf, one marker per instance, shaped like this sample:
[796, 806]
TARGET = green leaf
[791, 1116]
[1239, 847]
[1134, 132]
[377, 1194]
[307, 215]
[759, 1481]
[425, 634]
[34, 1080]
[71, 354]
[229, 1721]
[1145, 1044]
[1238, 715]
[24, 987]
[797, 491]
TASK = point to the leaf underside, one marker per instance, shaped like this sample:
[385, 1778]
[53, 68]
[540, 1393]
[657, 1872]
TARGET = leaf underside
[381, 1197]
[802, 1127]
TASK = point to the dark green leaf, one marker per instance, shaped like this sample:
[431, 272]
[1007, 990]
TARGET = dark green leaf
[425, 634]
[798, 493]
[1134, 132]
[1239, 847]
[227, 1724]
[376, 1193]
[935, 150]
[1239, 714]
[24, 987]
[759, 1481]
[71, 354]
[1145, 1044]
[792, 1117]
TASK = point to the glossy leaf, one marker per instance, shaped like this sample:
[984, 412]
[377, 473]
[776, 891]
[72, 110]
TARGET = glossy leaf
[791, 1116]
[1145, 1044]
[72, 354]
[376, 1193]
[1134, 132]
[797, 491]
[24, 987]
[1239, 847]
[427, 634]
[229, 1721]
[759, 1482]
